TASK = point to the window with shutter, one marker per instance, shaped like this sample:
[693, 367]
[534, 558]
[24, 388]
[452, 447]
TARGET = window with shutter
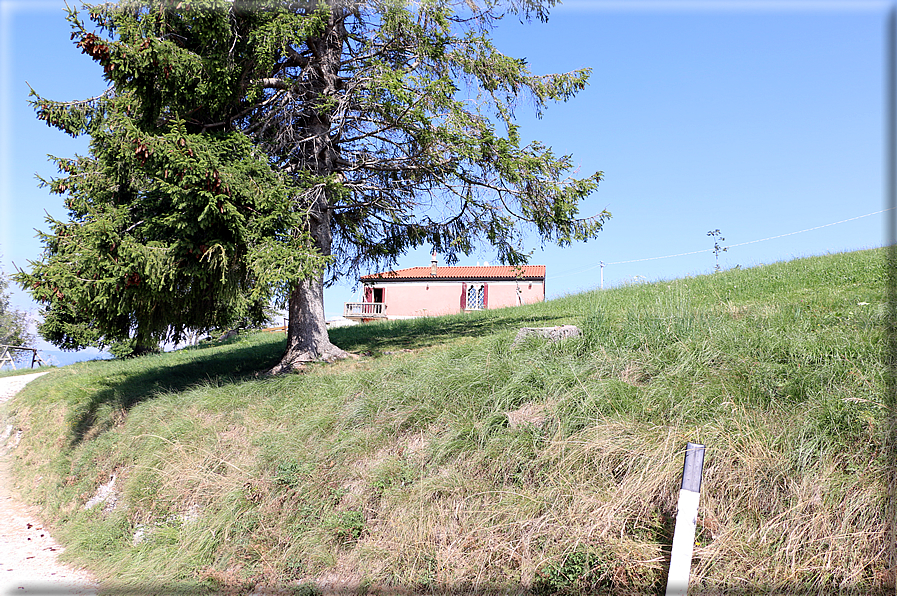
[475, 297]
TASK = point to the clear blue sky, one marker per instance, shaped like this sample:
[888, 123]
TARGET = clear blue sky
[759, 118]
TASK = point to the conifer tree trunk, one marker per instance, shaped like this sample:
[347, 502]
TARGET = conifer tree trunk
[307, 338]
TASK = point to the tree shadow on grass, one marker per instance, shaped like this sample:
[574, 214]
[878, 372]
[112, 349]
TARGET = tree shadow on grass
[119, 391]
[125, 386]
[429, 331]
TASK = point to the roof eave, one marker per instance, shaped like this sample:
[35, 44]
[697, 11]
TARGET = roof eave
[389, 278]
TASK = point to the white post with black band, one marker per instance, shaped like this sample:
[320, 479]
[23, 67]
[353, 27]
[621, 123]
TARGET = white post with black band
[686, 521]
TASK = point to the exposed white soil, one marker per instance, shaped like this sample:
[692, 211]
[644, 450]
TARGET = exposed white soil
[29, 557]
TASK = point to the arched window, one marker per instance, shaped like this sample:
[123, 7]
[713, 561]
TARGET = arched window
[476, 297]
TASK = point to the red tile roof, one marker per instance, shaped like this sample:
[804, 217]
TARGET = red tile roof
[527, 272]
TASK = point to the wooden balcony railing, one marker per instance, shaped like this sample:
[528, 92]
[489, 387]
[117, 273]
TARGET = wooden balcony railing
[364, 310]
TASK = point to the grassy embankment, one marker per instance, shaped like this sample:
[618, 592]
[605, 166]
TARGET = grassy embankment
[442, 460]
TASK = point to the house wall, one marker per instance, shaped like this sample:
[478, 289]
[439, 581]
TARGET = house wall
[423, 299]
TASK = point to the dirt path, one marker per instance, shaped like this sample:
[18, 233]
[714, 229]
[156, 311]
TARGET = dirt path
[28, 554]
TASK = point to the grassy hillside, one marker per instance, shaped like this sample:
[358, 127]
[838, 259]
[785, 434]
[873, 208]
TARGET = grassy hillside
[442, 461]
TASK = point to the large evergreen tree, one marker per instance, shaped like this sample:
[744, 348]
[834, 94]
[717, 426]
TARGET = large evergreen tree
[376, 125]
[175, 222]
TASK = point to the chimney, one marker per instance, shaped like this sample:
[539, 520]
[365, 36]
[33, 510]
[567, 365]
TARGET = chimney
[433, 265]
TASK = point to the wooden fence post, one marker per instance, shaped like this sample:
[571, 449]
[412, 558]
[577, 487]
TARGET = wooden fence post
[7, 357]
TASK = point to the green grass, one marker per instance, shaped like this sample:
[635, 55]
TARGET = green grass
[410, 469]
[23, 369]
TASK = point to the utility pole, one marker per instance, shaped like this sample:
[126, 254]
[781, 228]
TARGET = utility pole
[602, 274]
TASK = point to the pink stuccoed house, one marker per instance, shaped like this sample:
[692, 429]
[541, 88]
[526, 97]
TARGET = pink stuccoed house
[433, 291]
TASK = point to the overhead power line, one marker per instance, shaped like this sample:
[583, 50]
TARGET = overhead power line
[810, 229]
[694, 252]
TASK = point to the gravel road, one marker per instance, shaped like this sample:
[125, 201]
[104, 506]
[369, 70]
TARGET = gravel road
[28, 554]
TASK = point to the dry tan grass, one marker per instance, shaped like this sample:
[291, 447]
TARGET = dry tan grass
[635, 375]
[611, 490]
[529, 414]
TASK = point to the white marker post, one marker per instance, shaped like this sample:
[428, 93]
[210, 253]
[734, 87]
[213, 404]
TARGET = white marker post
[686, 521]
